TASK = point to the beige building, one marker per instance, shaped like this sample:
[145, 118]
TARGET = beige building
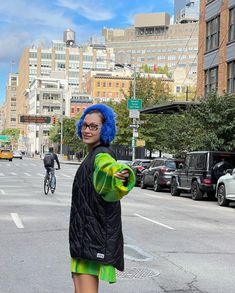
[155, 42]
[10, 119]
[109, 85]
[2, 118]
[63, 56]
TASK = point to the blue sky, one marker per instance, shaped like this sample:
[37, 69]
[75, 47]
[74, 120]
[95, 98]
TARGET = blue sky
[24, 23]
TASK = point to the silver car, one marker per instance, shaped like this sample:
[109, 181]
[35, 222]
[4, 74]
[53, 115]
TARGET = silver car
[225, 189]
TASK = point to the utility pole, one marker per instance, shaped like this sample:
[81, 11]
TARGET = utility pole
[134, 121]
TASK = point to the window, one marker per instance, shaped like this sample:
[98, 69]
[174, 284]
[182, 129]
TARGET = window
[231, 34]
[211, 80]
[231, 77]
[212, 33]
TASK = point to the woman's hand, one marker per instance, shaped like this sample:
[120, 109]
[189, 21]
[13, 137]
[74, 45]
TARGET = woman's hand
[123, 175]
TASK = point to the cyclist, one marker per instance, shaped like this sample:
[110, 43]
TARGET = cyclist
[49, 159]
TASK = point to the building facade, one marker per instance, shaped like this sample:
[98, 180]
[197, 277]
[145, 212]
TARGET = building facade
[46, 97]
[216, 58]
[78, 103]
[11, 118]
[155, 42]
[64, 56]
[187, 12]
[109, 85]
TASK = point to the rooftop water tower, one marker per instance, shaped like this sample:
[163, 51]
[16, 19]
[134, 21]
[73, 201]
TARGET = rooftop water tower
[69, 38]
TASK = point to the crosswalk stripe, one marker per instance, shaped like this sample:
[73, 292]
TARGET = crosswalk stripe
[27, 174]
[65, 175]
[13, 173]
[1, 174]
[40, 174]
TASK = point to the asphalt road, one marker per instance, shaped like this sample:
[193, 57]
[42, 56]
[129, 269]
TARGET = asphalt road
[171, 244]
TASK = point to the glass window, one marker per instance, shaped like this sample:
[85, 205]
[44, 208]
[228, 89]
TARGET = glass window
[212, 33]
[211, 80]
[231, 77]
[231, 36]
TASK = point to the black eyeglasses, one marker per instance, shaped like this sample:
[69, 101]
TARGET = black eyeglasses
[92, 127]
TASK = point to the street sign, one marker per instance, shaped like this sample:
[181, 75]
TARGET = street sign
[134, 104]
[5, 138]
[134, 126]
[35, 119]
[134, 114]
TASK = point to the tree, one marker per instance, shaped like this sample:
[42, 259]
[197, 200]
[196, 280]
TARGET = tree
[13, 132]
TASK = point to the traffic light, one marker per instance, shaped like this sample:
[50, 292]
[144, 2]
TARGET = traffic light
[53, 119]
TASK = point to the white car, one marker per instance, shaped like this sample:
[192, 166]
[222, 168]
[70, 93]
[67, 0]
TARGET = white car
[17, 154]
[225, 189]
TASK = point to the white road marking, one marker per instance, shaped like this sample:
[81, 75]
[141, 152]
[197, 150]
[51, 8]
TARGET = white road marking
[40, 174]
[156, 196]
[13, 173]
[17, 220]
[27, 174]
[65, 175]
[2, 192]
[1, 174]
[155, 222]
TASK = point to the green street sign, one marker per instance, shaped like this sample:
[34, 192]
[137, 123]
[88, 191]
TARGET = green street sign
[133, 104]
[5, 138]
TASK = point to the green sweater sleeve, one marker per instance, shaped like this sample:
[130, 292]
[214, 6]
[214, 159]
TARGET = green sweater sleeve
[105, 183]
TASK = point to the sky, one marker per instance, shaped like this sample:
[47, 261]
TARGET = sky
[26, 22]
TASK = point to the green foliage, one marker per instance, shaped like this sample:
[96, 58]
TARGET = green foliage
[13, 132]
[209, 126]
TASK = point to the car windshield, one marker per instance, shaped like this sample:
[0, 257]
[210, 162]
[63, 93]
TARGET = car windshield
[171, 164]
[222, 157]
[145, 164]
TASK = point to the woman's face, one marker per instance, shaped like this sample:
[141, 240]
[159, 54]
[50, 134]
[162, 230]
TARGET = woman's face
[91, 129]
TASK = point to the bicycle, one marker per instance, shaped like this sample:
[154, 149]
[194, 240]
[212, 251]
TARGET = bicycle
[50, 181]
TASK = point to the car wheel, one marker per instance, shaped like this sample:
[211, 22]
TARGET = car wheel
[197, 194]
[142, 184]
[174, 190]
[10, 160]
[156, 186]
[221, 195]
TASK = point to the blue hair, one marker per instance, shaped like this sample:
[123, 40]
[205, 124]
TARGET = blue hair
[108, 130]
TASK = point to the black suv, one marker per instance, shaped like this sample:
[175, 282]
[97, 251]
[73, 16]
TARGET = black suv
[200, 173]
[158, 175]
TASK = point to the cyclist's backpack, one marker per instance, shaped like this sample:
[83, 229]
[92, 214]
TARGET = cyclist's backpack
[48, 160]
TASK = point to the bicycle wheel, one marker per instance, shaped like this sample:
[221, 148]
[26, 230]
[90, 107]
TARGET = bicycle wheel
[46, 185]
[53, 183]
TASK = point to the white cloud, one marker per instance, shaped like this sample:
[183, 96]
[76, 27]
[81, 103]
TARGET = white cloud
[90, 9]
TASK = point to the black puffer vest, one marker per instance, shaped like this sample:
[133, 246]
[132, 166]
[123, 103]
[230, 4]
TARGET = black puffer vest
[95, 231]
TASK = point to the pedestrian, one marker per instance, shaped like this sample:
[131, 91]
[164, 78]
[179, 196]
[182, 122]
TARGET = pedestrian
[95, 230]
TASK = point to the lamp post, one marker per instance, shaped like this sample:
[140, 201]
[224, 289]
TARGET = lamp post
[134, 120]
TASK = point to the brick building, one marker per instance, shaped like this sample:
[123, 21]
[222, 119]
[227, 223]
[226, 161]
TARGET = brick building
[216, 54]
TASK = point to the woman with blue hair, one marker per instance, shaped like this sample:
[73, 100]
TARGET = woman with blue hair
[95, 230]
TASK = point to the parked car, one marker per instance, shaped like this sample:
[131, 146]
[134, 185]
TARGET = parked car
[17, 154]
[158, 174]
[138, 166]
[225, 189]
[127, 162]
[6, 154]
[200, 173]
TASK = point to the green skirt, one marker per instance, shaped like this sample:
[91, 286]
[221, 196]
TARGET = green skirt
[102, 271]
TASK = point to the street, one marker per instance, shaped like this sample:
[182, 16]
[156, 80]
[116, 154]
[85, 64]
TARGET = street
[172, 244]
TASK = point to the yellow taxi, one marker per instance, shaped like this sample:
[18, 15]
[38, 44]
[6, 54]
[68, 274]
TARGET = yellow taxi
[6, 154]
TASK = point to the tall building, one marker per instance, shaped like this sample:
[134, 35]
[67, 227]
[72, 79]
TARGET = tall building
[2, 118]
[216, 57]
[11, 118]
[186, 12]
[178, 5]
[155, 42]
[64, 56]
